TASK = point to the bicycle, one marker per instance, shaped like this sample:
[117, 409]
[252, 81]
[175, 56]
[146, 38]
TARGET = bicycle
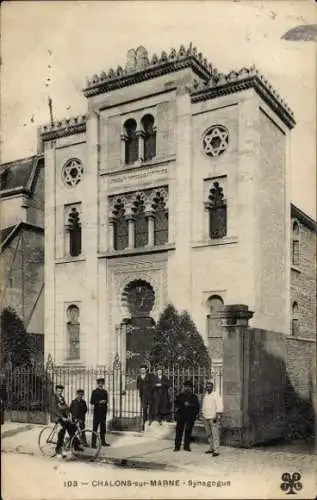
[47, 441]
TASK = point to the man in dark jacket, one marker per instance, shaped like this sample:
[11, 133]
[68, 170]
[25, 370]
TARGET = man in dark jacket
[60, 414]
[144, 386]
[99, 400]
[78, 409]
[187, 410]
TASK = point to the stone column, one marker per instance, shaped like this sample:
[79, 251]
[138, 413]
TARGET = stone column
[236, 365]
[111, 235]
[131, 238]
[150, 221]
[123, 138]
[140, 136]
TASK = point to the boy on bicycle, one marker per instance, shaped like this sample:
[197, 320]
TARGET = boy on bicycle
[78, 409]
[60, 414]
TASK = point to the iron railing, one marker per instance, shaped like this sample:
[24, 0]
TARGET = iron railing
[30, 389]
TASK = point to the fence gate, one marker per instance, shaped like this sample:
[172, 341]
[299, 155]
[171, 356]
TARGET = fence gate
[26, 394]
[30, 389]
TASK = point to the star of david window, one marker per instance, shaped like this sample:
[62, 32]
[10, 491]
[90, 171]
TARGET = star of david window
[72, 172]
[216, 141]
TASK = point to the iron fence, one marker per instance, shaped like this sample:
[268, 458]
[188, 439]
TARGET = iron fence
[30, 389]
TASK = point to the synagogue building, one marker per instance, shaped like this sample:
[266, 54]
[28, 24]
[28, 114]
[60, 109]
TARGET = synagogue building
[173, 188]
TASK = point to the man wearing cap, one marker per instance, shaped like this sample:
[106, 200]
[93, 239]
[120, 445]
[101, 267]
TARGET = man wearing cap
[212, 412]
[187, 410]
[99, 400]
[60, 414]
[78, 409]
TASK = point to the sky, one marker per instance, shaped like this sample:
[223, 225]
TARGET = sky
[49, 48]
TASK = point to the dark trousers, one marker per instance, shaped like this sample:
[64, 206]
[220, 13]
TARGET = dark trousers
[99, 421]
[146, 413]
[66, 426]
[183, 424]
[82, 426]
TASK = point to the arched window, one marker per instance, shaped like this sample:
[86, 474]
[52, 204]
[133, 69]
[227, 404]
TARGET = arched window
[217, 207]
[149, 137]
[215, 329]
[121, 231]
[140, 223]
[160, 220]
[73, 332]
[131, 142]
[74, 228]
[295, 243]
[295, 319]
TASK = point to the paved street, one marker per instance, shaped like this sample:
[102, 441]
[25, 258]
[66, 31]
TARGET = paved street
[235, 473]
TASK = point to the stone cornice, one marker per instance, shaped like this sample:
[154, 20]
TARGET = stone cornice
[144, 69]
[246, 78]
[64, 128]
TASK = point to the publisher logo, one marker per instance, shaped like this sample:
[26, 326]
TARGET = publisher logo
[291, 483]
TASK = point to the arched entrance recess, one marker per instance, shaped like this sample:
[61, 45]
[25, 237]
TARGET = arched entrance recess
[138, 297]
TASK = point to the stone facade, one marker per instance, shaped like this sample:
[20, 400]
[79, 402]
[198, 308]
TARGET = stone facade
[221, 145]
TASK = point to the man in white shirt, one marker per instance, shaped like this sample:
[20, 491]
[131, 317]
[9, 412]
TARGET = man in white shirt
[211, 412]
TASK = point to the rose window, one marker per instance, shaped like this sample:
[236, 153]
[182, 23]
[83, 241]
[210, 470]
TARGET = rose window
[216, 141]
[72, 172]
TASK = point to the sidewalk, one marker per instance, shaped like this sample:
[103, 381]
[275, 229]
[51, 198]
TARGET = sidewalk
[145, 452]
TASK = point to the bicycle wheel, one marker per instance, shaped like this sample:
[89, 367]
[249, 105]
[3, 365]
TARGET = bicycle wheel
[86, 437]
[47, 441]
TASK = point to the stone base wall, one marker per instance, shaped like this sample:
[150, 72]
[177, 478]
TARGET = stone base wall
[300, 392]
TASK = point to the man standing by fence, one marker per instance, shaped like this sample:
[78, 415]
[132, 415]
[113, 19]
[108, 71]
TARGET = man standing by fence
[99, 400]
[144, 386]
[211, 413]
[187, 410]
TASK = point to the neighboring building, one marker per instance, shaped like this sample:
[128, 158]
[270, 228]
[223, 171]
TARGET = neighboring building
[22, 243]
[173, 188]
[303, 274]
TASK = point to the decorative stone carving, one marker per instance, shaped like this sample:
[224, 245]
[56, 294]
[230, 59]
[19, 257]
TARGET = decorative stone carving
[72, 172]
[142, 59]
[216, 141]
[131, 61]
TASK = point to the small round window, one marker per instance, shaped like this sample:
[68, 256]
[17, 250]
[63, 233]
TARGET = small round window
[216, 141]
[72, 172]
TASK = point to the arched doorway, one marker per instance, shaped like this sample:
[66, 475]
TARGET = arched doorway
[139, 298]
[214, 328]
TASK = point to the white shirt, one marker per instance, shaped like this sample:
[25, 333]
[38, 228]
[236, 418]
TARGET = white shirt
[212, 404]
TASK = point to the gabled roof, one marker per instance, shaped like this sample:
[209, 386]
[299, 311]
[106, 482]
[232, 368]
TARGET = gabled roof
[19, 175]
[7, 233]
[307, 221]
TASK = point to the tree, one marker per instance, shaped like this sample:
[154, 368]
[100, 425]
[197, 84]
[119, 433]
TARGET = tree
[15, 344]
[178, 342]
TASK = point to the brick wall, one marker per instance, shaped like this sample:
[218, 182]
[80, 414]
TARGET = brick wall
[303, 282]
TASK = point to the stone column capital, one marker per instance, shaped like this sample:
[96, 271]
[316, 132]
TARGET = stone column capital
[140, 133]
[237, 314]
[150, 213]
